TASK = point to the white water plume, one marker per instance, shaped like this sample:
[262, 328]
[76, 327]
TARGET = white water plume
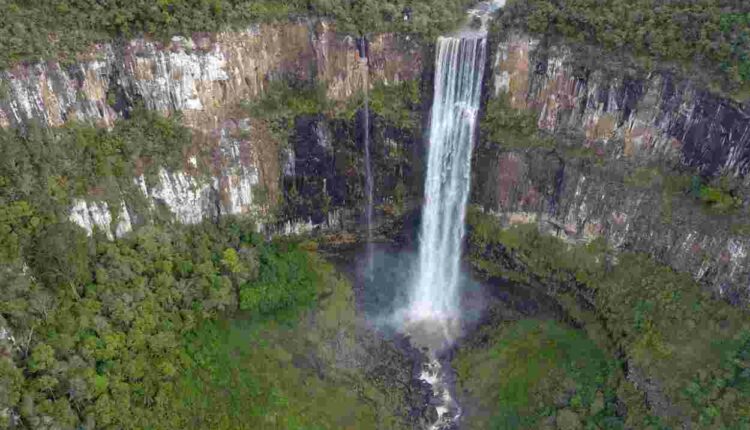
[459, 67]
[369, 181]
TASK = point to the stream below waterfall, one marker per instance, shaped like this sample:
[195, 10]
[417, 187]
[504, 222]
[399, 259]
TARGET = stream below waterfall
[481, 301]
[427, 303]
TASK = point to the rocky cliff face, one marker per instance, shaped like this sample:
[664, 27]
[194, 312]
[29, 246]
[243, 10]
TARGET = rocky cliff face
[611, 123]
[204, 77]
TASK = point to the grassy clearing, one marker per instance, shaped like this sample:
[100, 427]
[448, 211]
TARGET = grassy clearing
[283, 374]
[533, 374]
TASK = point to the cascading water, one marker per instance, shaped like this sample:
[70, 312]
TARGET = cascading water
[432, 316]
[429, 312]
[369, 184]
[459, 67]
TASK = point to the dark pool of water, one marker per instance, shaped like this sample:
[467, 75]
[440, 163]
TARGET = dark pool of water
[382, 288]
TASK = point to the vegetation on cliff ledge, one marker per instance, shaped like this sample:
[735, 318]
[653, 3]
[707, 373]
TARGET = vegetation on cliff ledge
[52, 29]
[512, 128]
[43, 170]
[290, 106]
[713, 35]
[134, 334]
[688, 352]
[533, 374]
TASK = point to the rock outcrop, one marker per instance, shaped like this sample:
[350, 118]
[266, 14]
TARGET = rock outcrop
[622, 121]
[205, 78]
[628, 114]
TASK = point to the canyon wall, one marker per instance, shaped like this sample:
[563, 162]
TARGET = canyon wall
[611, 122]
[621, 136]
[206, 78]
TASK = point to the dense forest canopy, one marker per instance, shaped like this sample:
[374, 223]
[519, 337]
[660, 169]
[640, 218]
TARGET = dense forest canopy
[655, 324]
[50, 29]
[133, 334]
[172, 326]
[162, 328]
[102, 334]
[710, 34]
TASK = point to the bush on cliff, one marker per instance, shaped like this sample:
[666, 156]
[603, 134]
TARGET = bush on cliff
[712, 34]
[51, 29]
[285, 280]
[692, 347]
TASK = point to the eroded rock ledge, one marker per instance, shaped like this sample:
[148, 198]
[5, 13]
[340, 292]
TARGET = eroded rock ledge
[610, 125]
[205, 78]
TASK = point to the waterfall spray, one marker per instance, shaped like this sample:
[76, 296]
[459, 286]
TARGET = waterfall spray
[433, 313]
[459, 67]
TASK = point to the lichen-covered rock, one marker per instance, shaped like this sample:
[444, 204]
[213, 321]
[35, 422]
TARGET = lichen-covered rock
[643, 117]
[205, 77]
[621, 121]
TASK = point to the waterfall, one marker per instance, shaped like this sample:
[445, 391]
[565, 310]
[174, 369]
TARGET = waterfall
[433, 316]
[459, 66]
[369, 185]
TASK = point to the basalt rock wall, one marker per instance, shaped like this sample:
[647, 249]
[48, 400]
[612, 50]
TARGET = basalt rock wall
[205, 77]
[611, 123]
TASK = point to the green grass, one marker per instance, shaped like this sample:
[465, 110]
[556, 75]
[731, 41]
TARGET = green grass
[657, 317]
[267, 374]
[530, 371]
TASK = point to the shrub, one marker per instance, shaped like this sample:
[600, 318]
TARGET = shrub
[286, 280]
[654, 315]
[714, 35]
[512, 128]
